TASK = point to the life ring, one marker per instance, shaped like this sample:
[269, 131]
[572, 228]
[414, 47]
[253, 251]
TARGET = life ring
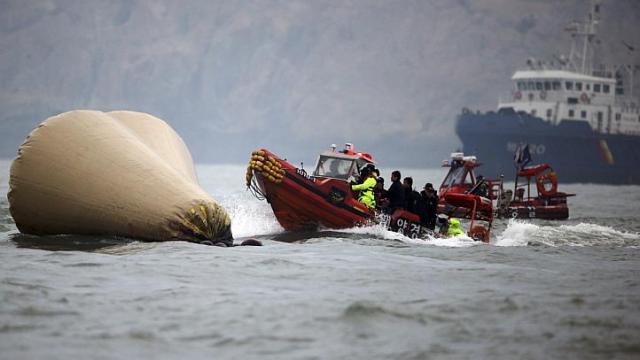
[584, 98]
[517, 95]
[547, 184]
[543, 95]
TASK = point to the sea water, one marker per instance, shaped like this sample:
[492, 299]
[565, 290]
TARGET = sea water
[539, 290]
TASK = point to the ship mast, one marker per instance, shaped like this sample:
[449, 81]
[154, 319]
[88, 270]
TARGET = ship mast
[584, 32]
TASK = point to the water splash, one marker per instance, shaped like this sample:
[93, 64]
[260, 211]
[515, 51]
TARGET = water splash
[250, 217]
[517, 233]
[381, 232]
[521, 233]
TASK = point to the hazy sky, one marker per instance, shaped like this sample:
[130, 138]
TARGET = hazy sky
[293, 76]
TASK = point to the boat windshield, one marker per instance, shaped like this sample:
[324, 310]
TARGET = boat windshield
[334, 167]
[457, 176]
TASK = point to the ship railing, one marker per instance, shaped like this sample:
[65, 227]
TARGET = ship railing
[527, 96]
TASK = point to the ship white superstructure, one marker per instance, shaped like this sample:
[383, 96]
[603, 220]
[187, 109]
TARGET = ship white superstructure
[576, 90]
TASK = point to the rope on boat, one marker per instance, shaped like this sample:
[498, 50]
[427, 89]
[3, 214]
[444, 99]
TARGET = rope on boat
[268, 167]
[255, 190]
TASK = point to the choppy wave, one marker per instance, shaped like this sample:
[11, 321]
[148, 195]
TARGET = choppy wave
[521, 233]
[365, 311]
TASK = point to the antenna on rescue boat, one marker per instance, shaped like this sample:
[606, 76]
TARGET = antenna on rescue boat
[348, 147]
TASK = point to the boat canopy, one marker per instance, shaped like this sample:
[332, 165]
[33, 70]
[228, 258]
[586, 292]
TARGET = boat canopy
[344, 165]
[335, 166]
[458, 176]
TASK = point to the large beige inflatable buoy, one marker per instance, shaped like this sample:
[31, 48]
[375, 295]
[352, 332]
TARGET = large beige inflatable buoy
[119, 173]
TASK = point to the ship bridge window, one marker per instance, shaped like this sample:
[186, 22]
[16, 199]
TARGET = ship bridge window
[572, 113]
[587, 86]
[538, 85]
[583, 114]
[605, 88]
[549, 113]
[556, 85]
[568, 85]
[596, 88]
[618, 117]
[579, 86]
[547, 85]
[572, 100]
[334, 167]
[531, 85]
[521, 85]
[457, 176]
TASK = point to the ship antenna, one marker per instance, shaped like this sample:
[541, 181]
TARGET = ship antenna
[585, 31]
[590, 31]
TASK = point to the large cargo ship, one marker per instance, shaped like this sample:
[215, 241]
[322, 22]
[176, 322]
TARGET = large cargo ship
[582, 119]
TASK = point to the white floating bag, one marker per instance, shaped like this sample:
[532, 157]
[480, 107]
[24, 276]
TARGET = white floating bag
[120, 173]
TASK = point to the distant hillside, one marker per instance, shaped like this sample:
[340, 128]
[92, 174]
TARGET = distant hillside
[294, 76]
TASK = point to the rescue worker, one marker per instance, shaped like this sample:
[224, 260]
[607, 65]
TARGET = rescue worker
[481, 187]
[410, 195]
[427, 206]
[454, 228]
[443, 224]
[396, 193]
[366, 188]
[380, 194]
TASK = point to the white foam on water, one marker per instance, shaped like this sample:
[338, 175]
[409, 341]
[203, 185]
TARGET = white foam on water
[252, 218]
[456, 241]
[522, 233]
[380, 231]
[586, 234]
[377, 231]
[517, 233]
[593, 229]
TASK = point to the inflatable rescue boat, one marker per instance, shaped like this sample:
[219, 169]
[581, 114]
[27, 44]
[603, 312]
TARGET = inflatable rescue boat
[303, 201]
[464, 195]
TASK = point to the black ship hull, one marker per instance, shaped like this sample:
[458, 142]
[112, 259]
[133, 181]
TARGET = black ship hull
[576, 152]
